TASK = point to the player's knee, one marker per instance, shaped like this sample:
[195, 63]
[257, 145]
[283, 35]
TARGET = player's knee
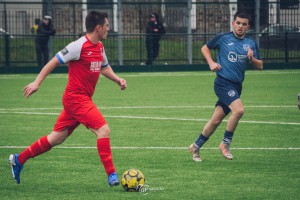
[216, 122]
[59, 141]
[56, 138]
[239, 112]
[104, 131]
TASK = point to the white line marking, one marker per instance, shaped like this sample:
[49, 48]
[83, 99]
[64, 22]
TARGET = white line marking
[28, 113]
[154, 107]
[157, 118]
[201, 120]
[160, 148]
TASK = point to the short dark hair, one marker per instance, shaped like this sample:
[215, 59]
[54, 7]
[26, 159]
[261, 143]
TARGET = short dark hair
[242, 15]
[93, 19]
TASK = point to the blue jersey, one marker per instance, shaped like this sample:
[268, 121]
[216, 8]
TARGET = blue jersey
[232, 55]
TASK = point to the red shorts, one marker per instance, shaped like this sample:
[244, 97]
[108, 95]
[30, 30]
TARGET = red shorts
[78, 109]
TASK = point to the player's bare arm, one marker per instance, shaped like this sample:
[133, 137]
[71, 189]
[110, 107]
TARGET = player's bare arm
[207, 55]
[110, 74]
[34, 86]
[258, 64]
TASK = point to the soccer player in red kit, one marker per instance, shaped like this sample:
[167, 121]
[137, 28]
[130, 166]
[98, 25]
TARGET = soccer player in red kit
[86, 60]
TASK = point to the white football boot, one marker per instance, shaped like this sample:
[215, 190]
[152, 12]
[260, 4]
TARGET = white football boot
[195, 151]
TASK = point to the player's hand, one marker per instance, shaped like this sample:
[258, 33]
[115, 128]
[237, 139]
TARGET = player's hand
[250, 54]
[215, 67]
[122, 83]
[30, 89]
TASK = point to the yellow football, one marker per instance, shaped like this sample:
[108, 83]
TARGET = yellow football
[132, 180]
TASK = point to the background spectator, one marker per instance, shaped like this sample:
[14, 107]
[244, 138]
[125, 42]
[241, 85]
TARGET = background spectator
[154, 31]
[299, 101]
[44, 31]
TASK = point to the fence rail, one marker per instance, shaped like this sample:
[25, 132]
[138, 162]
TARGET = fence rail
[19, 50]
[189, 24]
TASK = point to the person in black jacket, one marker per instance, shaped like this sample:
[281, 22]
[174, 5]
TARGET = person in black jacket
[299, 101]
[44, 31]
[154, 31]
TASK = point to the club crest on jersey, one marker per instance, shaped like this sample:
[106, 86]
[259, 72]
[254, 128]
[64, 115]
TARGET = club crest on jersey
[231, 93]
[95, 66]
[64, 51]
[246, 47]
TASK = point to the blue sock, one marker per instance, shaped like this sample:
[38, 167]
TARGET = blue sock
[201, 140]
[227, 137]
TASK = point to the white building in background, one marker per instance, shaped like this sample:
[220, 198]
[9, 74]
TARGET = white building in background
[19, 17]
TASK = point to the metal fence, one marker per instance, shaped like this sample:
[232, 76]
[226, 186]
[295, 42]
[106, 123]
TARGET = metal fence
[189, 24]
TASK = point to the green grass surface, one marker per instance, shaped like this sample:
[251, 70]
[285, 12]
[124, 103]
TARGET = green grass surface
[156, 119]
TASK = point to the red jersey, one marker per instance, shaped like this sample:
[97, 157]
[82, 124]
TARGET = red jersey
[85, 60]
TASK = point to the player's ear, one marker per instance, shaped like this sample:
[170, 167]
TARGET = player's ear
[98, 27]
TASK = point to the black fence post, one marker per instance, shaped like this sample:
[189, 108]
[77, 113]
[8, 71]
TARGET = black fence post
[286, 49]
[74, 19]
[140, 24]
[6, 38]
[7, 57]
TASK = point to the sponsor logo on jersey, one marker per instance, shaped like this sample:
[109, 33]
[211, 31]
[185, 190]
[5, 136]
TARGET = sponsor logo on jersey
[231, 43]
[242, 58]
[232, 57]
[64, 51]
[89, 53]
[95, 66]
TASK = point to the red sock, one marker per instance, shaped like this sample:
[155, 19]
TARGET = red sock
[40, 146]
[104, 151]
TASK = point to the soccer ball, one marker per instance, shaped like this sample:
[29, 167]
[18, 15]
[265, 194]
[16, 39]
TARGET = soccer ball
[132, 180]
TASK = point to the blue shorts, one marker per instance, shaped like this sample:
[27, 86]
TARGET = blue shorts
[227, 92]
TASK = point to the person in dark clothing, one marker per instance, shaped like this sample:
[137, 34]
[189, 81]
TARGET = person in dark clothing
[44, 31]
[299, 101]
[154, 31]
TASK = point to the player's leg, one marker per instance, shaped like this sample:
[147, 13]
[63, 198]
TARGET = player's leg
[207, 131]
[40, 146]
[93, 119]
[105, 154]
[43, 145]
[237, 111]
[214, 122]
[57, 136]
[87, 113]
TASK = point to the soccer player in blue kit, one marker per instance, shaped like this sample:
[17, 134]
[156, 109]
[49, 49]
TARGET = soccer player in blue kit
[235, 51]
